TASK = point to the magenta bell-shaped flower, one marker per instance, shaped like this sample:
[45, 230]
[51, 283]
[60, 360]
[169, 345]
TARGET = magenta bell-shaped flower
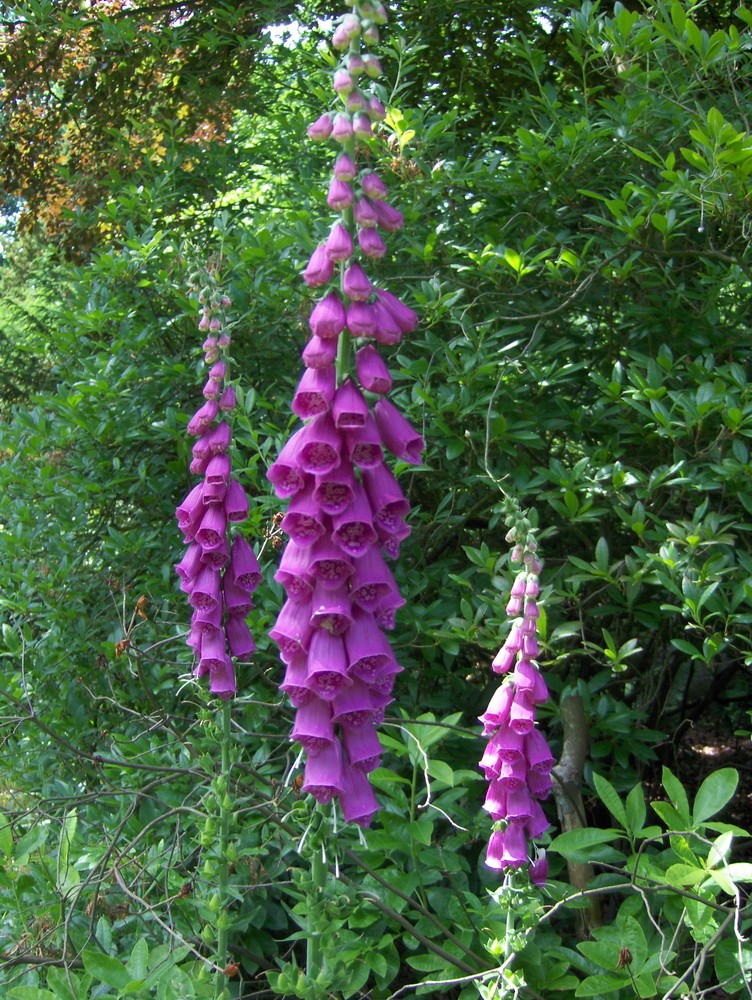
[355, 284]
[357, 799]
[315, 392]
[323, 777]
[397, 434]
[339, 244]
[373, 373]
[328, 317]
[320, 268]
[321, 129]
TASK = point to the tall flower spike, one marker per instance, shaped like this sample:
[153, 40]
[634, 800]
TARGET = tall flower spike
[346, 511]
[517, 761]
[219, 569]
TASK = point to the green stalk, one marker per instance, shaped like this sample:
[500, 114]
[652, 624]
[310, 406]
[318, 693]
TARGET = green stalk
[344, 345]
[223, 921]
[316, 919]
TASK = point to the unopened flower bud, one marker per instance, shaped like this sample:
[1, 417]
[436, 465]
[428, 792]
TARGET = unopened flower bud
[342, 130]
[373, 66]
[344, 168]
[321, 129]
[343, 82]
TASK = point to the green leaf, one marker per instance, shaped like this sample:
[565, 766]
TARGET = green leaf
[636, 810]
[713, 794]
[106, 969]
[138, 963]
[596, 986]
[676, 794]
[610, 798]
[57, 980]
[6, 841]
[30, 993]
[440, 770]
[587, 844]
[29, 843]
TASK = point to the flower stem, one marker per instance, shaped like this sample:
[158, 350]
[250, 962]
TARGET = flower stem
[316, 917]
[224, 839]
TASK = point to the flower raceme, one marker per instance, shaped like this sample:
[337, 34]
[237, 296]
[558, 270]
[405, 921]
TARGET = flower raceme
[218, 572]
[517, 761]
[346, 513]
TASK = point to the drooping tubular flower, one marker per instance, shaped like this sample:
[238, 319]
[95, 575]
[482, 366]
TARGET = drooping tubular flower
[346, 512]
[219, 570]
[517, 761]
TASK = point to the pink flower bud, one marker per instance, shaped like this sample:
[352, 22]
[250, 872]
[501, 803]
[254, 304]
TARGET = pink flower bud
[355, 284]
[371, 35]
[342, 130]
[373, 185]
[344, 168]
[371, 243]
[362, 125]
[355, 65]
[365, 214]
[376, 110]
[356, 101]
[373, 66]
[390, 219]
[321, 129]
[340, 195]
[343, 82]
[319, 269]
[339, 245]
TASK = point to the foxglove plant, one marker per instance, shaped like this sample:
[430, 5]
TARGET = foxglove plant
[218, 571]
[517, 761]
[346, 509]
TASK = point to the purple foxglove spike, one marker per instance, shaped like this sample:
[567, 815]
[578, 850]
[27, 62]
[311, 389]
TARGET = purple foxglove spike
[355, 65]
[361, 126]
[361, 319]
[203, 418]
[373, 186]
[538, 871]
[355, 101]
[213, 652]
[359, 804]
[315, 392]
[222, 681]
[372, 580]
[293, 684]
[207, 593]
[244, 567]
[237, 599]
[365, 214]
[514, 606]
[388, 502]
[294, 571]
[362, 747]
[386, 615]
[189, 566]
[323, 778]
[353, 528]
[285, 474]
[538, 753]
[356, 705]
[405, 318]
[538, 823]
[376, 110]
[339, 196]
[369, 654]
[389, 219]
[540, 784]
[328, 564]
[373, 373]
[342, 130]
[212, 534]
[513, 774]
[497, 712]
[507, 848]
[373, 66]
[303, 521]
[530, 647]
[371, 244]
[349, 409]
[236, 502]
[320, 353]
[228, 400]
[397, 433]
[342, 82]
[292, 630]
[496, 800]
[328, 317]
[532, 587]
[364, 445]
[321, 129]
[327, 665]
[313, 727]
[320, 445]
[330, 610]
[344, 168]
[386, 329]
[355, 283]
[219, 468]
[335, 491]
[319, 269]
[212, 388]
[190, 506]
[339, 244]
[239, 637]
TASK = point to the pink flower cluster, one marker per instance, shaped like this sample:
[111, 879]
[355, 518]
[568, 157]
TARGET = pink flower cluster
[217, 573]
[517, 761]
[346, 511]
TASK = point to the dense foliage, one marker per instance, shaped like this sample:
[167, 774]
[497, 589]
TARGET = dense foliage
[576, 185]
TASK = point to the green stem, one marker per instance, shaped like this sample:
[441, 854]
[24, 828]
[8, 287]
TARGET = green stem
[316, 920]
[224, 839]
